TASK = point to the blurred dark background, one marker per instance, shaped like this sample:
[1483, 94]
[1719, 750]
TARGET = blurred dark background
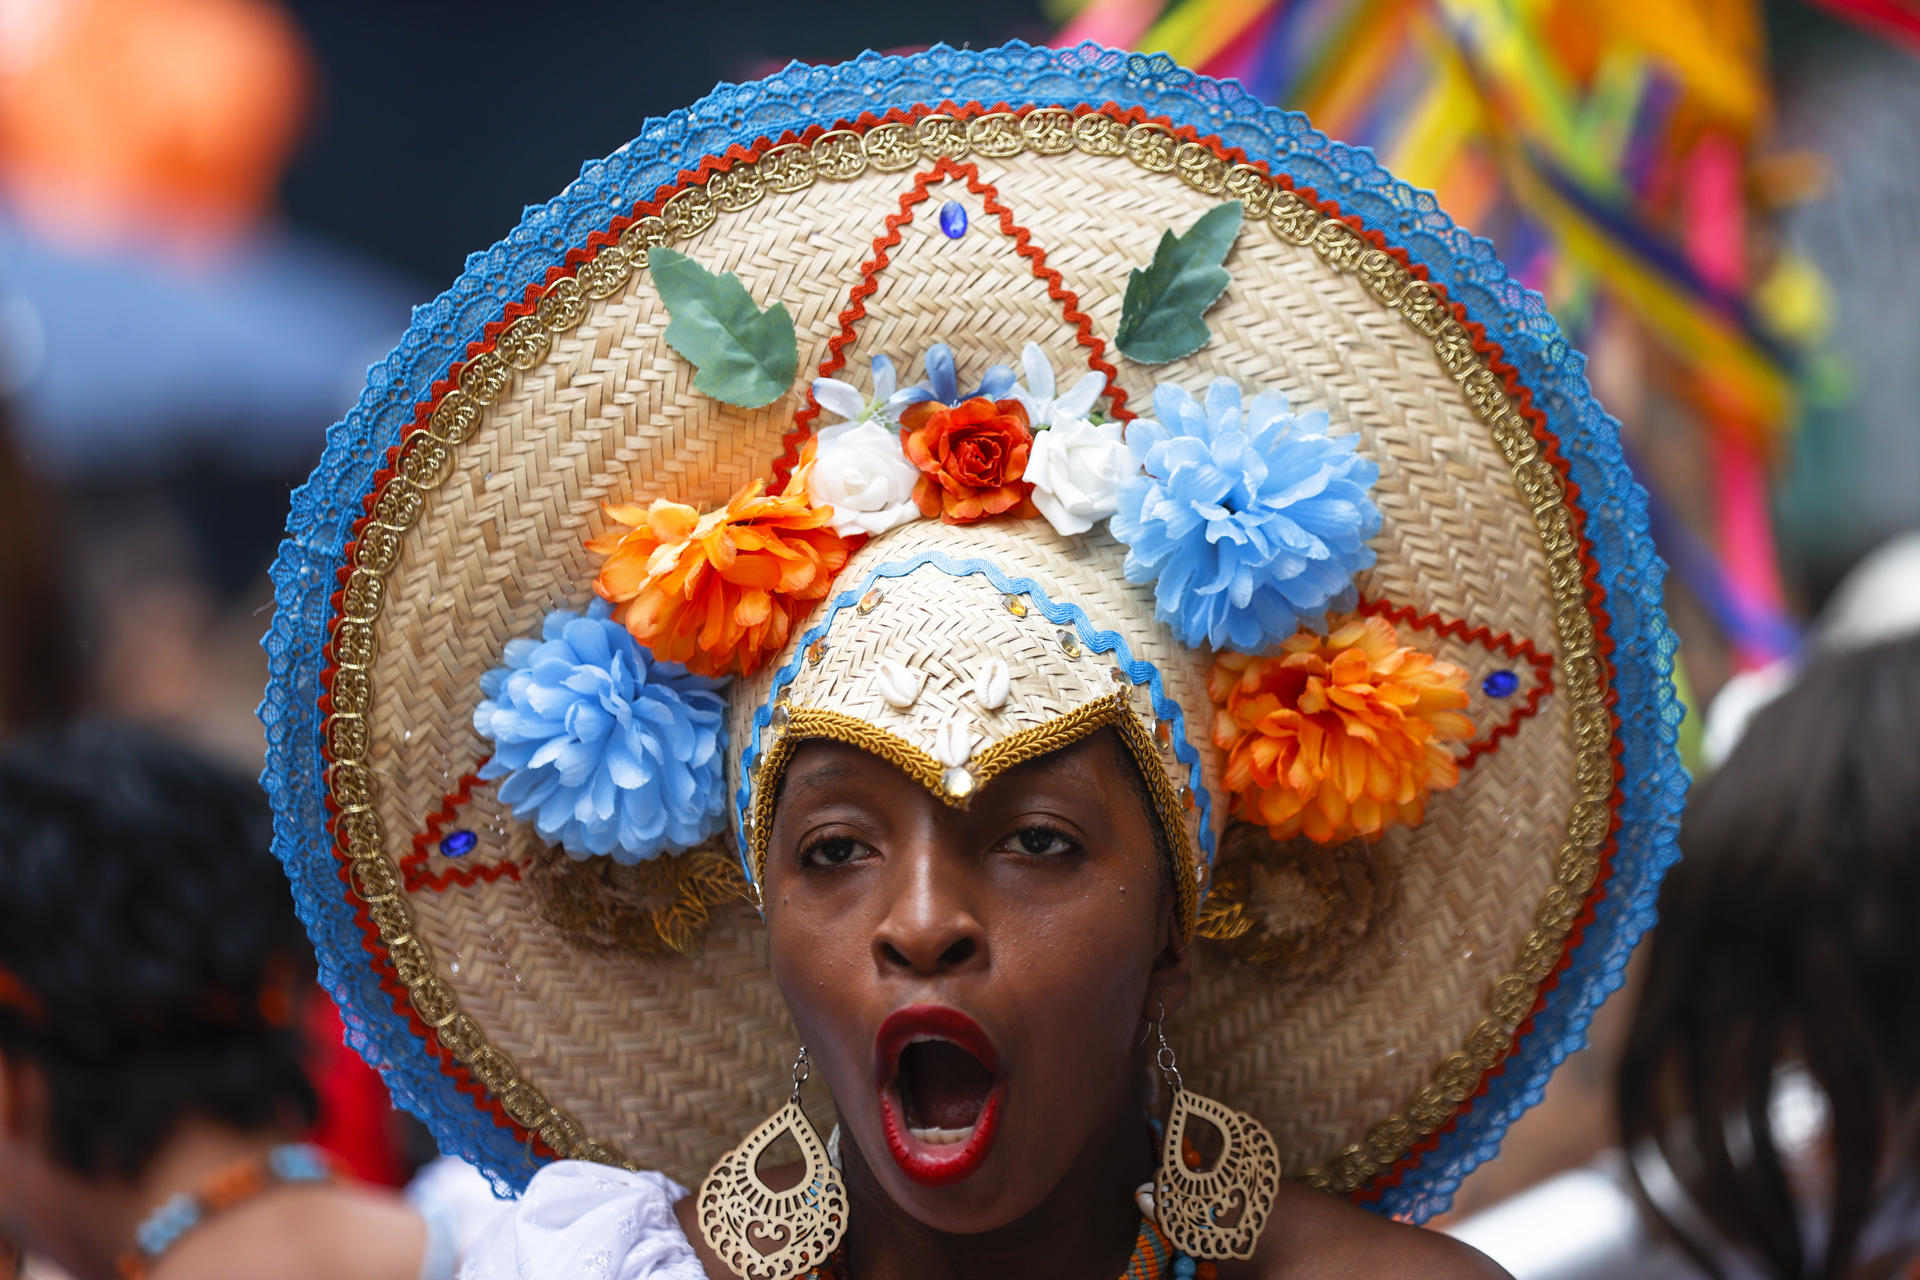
[436, 124]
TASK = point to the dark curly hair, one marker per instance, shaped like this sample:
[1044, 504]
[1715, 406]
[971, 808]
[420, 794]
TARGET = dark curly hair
[1788, 937]
[154, 957]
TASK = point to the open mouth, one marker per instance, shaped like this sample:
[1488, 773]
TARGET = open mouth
[940, 1091]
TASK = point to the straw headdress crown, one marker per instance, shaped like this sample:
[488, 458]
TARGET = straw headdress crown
[956, 407]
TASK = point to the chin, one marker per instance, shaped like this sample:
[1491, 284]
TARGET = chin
[1002, 1189]
[941, 1126]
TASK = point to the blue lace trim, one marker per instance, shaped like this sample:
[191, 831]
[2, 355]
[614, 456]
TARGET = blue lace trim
[325, 508]
[1138, 670]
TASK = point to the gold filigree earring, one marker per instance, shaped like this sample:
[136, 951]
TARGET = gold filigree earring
[763, 1234]
[1216, 1211]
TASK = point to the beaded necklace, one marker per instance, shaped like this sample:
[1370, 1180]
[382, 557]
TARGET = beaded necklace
[180, 1213]
[1154, 1258]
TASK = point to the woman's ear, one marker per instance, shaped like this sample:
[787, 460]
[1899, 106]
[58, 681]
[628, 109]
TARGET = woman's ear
[1172, 976]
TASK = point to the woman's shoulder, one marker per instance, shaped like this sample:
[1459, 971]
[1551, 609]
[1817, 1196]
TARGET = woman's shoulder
[1315, 1236]
[306, 1230]
[577, 1218]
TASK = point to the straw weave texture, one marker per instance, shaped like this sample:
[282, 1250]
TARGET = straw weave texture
[668, 1062]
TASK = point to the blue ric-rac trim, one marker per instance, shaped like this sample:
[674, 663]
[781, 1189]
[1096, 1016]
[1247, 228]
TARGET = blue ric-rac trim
[325, 508]
[1060, 614]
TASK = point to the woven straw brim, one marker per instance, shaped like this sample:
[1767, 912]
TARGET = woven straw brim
[1351, 1055]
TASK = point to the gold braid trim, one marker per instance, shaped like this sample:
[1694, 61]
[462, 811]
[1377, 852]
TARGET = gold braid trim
[805, 723]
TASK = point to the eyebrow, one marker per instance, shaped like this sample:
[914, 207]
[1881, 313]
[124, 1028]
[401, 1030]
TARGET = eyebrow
[1066, 766]
[827, 773]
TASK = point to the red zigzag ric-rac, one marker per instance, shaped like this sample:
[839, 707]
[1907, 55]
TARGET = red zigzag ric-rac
[413, 867]
[1542, 664]
[889, 239]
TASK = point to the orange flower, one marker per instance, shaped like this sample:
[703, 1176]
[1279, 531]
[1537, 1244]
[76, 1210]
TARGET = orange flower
[971, 458]
[1338, 736]
[719, 592]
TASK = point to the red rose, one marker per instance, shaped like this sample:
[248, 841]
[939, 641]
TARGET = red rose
[971, 458]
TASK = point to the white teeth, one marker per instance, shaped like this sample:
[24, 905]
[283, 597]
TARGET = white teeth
[934, 1137]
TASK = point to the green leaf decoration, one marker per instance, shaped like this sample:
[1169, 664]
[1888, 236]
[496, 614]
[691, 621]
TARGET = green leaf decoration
[1160, 319]
[743, 355]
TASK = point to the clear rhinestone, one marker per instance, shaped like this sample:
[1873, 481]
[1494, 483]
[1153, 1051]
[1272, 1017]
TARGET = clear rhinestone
[1119, 676]
[778, 720]
[957, 781]
[1016, 605]
[1069, 643]
[870, 601]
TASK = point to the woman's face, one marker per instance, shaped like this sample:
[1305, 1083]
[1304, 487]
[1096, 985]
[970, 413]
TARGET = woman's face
[972, 983]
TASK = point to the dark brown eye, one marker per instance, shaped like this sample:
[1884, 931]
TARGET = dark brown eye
[834, 851]
[1042, 842]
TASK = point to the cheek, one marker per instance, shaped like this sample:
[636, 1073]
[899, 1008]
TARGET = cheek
[821, 962]
[1079, 977]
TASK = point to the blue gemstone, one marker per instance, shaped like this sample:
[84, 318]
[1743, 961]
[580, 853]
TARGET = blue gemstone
[459, 843]
[1500, 684]
[953, 219]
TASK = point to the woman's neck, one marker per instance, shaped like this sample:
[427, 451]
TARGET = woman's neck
[1084, 1230]
[96, 1217]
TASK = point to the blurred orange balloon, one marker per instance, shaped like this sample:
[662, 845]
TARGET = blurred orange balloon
[131, 118]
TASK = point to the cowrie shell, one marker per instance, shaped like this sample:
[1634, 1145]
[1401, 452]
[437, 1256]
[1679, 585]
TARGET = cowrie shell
[953, 742]
[900, 684]
[991, 683]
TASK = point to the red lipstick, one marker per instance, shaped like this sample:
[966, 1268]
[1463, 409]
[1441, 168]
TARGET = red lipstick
[939, 1062]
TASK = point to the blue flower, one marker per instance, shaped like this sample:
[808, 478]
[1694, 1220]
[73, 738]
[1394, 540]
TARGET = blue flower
[941, 383]
[845, 401]
[606, 749]
[1249, 521]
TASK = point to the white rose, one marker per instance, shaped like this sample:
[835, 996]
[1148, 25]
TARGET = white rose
[860, 470]
[1076, 469]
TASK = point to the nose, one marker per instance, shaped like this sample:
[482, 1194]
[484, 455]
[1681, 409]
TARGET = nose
[930, 926]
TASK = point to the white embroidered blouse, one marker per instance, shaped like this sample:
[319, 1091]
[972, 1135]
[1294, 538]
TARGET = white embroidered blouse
[582, 1221]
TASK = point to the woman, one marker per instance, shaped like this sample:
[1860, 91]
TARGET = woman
[1773, 1064]
[1260, 694]
[984, 988]
[151, 978]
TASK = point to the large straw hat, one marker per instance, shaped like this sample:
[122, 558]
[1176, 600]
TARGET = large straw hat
[1386, 1006]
